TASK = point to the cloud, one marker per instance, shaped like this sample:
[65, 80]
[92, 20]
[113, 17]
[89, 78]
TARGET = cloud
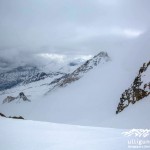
[54, 57]
[132, 33]
[61, 59]
[70, 27]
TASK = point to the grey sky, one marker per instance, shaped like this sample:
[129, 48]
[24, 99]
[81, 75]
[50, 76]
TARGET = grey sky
[28, 27]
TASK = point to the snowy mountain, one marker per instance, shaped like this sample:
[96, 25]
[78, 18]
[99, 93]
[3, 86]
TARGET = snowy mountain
[27, 74]
[100, 58]
[91, 98]
[16, 76]
[56, 79]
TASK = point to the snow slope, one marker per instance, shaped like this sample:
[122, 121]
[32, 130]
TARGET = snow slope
[33, 135]
[92, 100]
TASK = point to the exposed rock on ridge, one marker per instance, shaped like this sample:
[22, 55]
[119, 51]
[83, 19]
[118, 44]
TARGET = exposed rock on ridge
[20, 97]
[138, 90]
[102, 57]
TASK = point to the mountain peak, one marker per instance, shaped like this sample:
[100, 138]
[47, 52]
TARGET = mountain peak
[101, 57]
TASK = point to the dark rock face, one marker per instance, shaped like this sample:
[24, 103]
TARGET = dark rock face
[21, 96]
[42, 76]
[55, 81]
[72, 64]
[16, 76]
[79, 72]
[14, 117]
[2, 115]
[138, 90]
[8, 99]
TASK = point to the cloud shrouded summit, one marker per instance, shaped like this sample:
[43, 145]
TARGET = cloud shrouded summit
[32, 27]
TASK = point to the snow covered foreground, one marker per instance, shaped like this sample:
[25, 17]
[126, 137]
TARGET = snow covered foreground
[33, 135]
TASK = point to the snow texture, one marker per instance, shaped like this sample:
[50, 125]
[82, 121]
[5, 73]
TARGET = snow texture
[32, 135]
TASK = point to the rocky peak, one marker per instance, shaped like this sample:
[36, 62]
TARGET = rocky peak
[102, 57]
[138, 90]
[20, 97]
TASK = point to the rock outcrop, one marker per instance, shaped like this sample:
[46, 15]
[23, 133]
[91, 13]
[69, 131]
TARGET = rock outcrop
[42, 76]
[138, 90]
[20, 97]
[2, 115]
[14, 117]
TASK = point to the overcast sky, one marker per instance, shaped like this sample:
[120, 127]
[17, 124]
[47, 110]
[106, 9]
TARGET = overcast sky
[71, 27]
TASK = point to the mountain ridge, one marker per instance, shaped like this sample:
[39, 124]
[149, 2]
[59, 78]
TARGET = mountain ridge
[101, 57]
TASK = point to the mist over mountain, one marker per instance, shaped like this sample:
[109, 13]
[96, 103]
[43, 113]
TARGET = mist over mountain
[74, 74]
[71, 29]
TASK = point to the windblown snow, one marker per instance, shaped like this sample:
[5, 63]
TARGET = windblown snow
[83, 112]
[92, 100]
